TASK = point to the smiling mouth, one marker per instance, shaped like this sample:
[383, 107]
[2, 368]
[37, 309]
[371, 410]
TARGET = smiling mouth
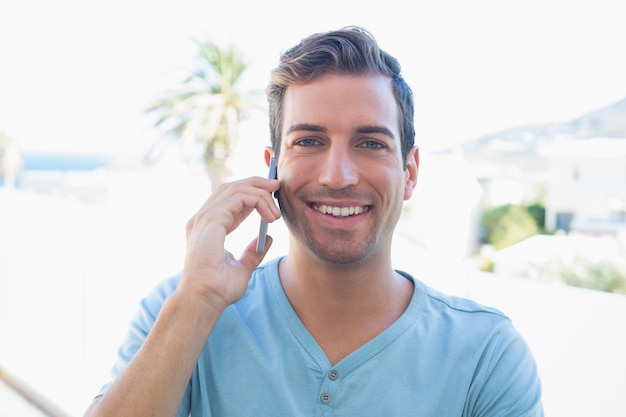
[340, 211]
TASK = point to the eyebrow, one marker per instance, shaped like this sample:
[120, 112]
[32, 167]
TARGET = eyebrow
[375, 129]
[360, 129]
[306, 127]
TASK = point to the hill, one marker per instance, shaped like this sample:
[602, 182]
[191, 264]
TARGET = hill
[606, 122]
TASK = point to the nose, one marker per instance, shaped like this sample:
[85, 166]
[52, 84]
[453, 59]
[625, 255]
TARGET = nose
[338, 169]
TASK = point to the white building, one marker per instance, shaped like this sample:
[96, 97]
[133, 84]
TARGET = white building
[587, 185]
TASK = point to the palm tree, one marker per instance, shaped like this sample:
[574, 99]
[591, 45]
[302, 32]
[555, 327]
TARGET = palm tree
[207, 108]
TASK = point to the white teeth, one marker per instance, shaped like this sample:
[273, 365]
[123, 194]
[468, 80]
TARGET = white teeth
[341, 211]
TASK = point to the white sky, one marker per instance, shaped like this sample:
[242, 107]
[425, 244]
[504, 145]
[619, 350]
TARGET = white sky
[76, 75]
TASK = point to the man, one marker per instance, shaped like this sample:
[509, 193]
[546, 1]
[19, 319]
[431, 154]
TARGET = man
[331, 329]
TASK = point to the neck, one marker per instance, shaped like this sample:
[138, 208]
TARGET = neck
[343, 307]
[317, 288]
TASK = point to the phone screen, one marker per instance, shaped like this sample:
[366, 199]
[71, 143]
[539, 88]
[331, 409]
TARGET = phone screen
[260, 244]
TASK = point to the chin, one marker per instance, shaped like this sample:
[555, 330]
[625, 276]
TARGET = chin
[340, 254]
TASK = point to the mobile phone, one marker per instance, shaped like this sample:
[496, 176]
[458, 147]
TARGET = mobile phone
[260, 244]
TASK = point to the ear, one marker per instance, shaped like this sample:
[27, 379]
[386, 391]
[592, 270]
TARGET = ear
[412, 165]
[269, 154]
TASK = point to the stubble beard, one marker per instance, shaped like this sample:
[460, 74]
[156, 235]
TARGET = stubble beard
[340, 248]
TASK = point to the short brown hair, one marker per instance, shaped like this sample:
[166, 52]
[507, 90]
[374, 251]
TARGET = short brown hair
[350, 50]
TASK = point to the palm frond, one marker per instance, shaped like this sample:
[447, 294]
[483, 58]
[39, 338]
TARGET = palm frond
[208, 105]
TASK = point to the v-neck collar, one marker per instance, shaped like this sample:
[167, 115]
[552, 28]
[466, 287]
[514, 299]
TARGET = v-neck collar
[362, 354]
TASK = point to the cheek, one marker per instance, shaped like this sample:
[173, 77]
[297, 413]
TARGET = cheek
[386, 181]
[288, 183]
[293, 172]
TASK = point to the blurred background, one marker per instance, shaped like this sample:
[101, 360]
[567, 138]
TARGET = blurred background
[118, 118]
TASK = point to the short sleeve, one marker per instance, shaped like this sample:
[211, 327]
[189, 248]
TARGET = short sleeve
[140, 326]
[507, 383]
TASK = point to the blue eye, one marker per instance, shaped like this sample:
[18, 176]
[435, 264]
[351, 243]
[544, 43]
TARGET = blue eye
[307, 142]
[372, 144]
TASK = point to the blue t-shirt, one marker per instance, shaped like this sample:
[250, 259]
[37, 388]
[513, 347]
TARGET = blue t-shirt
[445, 356]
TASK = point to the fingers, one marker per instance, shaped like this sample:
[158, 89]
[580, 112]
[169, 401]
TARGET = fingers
[251, 193]
[232, 203]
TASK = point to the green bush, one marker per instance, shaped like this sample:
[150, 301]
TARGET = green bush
[606, 275]
[508, 224]
[601, 276]
[538, 213]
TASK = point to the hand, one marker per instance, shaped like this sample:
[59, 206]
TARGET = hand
[210, 271]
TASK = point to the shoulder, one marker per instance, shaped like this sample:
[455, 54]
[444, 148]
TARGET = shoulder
[436, 304]
[504, 372]
[448, 320]
[462, 305]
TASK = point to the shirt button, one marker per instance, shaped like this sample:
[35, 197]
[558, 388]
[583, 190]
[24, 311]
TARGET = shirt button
[333, 374]
[325, 397]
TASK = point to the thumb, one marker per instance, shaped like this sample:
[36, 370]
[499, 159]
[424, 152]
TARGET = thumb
[250, 259]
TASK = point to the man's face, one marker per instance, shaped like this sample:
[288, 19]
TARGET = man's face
[341, 169]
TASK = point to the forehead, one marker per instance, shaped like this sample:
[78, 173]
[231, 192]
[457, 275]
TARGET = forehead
[340, 101]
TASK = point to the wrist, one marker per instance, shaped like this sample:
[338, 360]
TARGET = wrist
[204, 303]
